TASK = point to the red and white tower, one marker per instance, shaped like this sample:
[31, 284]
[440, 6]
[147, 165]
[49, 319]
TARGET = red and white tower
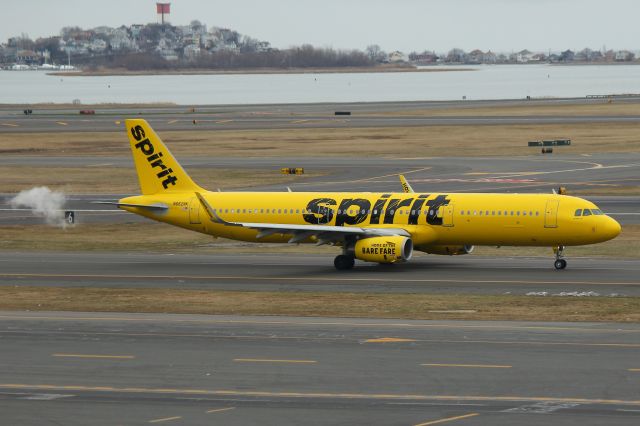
[163, 9]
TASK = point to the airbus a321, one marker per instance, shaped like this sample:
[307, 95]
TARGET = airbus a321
[372, 227]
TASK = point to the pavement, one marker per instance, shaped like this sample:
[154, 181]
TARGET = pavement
[322, 115]
[134, 369]
[315, 273]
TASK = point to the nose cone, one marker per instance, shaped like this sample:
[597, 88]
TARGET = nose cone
[609, 229]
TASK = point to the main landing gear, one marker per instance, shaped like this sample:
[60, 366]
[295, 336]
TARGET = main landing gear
[343, 262]
[560, 263]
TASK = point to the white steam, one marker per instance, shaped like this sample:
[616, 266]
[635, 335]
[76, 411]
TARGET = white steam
[43, 202]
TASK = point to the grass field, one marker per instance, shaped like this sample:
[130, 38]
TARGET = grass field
[428, 141]
[363, 305]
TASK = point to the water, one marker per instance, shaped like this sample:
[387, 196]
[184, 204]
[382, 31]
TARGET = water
[483, 82]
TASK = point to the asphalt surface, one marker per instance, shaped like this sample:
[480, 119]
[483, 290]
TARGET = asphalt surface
[315, 273]
[237, 117]
[129, 369]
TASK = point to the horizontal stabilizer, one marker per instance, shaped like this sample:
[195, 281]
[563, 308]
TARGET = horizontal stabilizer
[142, 206]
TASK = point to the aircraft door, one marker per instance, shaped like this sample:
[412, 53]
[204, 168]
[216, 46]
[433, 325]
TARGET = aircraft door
[194, 211]
[551, 214]
[447, 214]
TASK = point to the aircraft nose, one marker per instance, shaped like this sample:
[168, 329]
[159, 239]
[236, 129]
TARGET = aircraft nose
[610, 228]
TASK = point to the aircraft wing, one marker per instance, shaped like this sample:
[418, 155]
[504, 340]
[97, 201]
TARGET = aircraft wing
[324, 233]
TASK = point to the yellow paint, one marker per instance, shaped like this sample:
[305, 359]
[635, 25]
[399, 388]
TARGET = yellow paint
[166, 419]
[374, 396]
[448, 419]
[291, 361]
[9, 125]
[388, 340]
[93, 356]
[219, 410]
[223, 121]
[117, 122]
[62, 123]
[634, 369]
[172, 121]
[467, 365]
[299, 121]
[435, 223]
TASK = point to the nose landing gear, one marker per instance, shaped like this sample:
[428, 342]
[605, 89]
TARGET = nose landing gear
[560, 263]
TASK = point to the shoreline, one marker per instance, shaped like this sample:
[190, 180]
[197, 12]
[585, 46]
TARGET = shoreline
[251, 71]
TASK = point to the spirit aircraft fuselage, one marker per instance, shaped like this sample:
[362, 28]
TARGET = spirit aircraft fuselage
[380, 227]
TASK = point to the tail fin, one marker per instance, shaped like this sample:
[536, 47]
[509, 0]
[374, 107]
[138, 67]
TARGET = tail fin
[158, 171]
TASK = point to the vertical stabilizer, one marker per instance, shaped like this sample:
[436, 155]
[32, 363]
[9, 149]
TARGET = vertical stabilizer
[158, 171]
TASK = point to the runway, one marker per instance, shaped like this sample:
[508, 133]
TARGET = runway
[106, 369]
[258, 117]
[315, 273]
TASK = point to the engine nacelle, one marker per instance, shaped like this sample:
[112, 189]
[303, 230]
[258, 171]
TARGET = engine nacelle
[448, 250]
[384, 249]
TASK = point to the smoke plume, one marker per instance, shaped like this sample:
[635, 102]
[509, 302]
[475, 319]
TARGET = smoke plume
[43, 202]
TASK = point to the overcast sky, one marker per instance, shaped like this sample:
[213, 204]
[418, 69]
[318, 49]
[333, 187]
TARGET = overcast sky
[406, 25]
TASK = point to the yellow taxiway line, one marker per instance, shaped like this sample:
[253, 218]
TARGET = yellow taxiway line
[93, 356]
[166, 419]
[448, 419]
[219, 410]
[332, 395]
[290, 361]
[468, 365]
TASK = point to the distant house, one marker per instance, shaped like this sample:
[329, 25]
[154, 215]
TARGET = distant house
[524, 56]
[475, 57]
[624, 55]
[489, 58]
[191, 51]
[397, 56]
[27, 57]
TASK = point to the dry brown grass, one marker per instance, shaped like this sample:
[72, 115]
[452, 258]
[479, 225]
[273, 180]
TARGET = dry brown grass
[494, 140]
[364, 305]
[162, 238]
[116, 180]
[595, 108]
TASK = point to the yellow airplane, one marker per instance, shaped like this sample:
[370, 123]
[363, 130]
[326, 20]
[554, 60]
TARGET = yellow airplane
[373, 227]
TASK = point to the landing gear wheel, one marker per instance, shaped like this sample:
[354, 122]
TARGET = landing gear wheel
[560, 264]
[343, 262]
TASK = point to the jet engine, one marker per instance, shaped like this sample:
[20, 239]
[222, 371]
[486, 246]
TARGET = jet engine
[391, 249]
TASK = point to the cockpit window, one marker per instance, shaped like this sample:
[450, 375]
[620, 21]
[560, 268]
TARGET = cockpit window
[597, 212]
[579, 212]
[586, 212]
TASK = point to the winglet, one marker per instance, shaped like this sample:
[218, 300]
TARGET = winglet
[405, 185]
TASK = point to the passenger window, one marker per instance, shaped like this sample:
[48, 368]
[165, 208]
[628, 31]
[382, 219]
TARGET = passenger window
[480, 212]
[518, 213]
[524, 213]
[586, 212]
[537, 213]
[487, 213]
[579, 212]
[493, 213]
[499, 212]
[461, 212]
